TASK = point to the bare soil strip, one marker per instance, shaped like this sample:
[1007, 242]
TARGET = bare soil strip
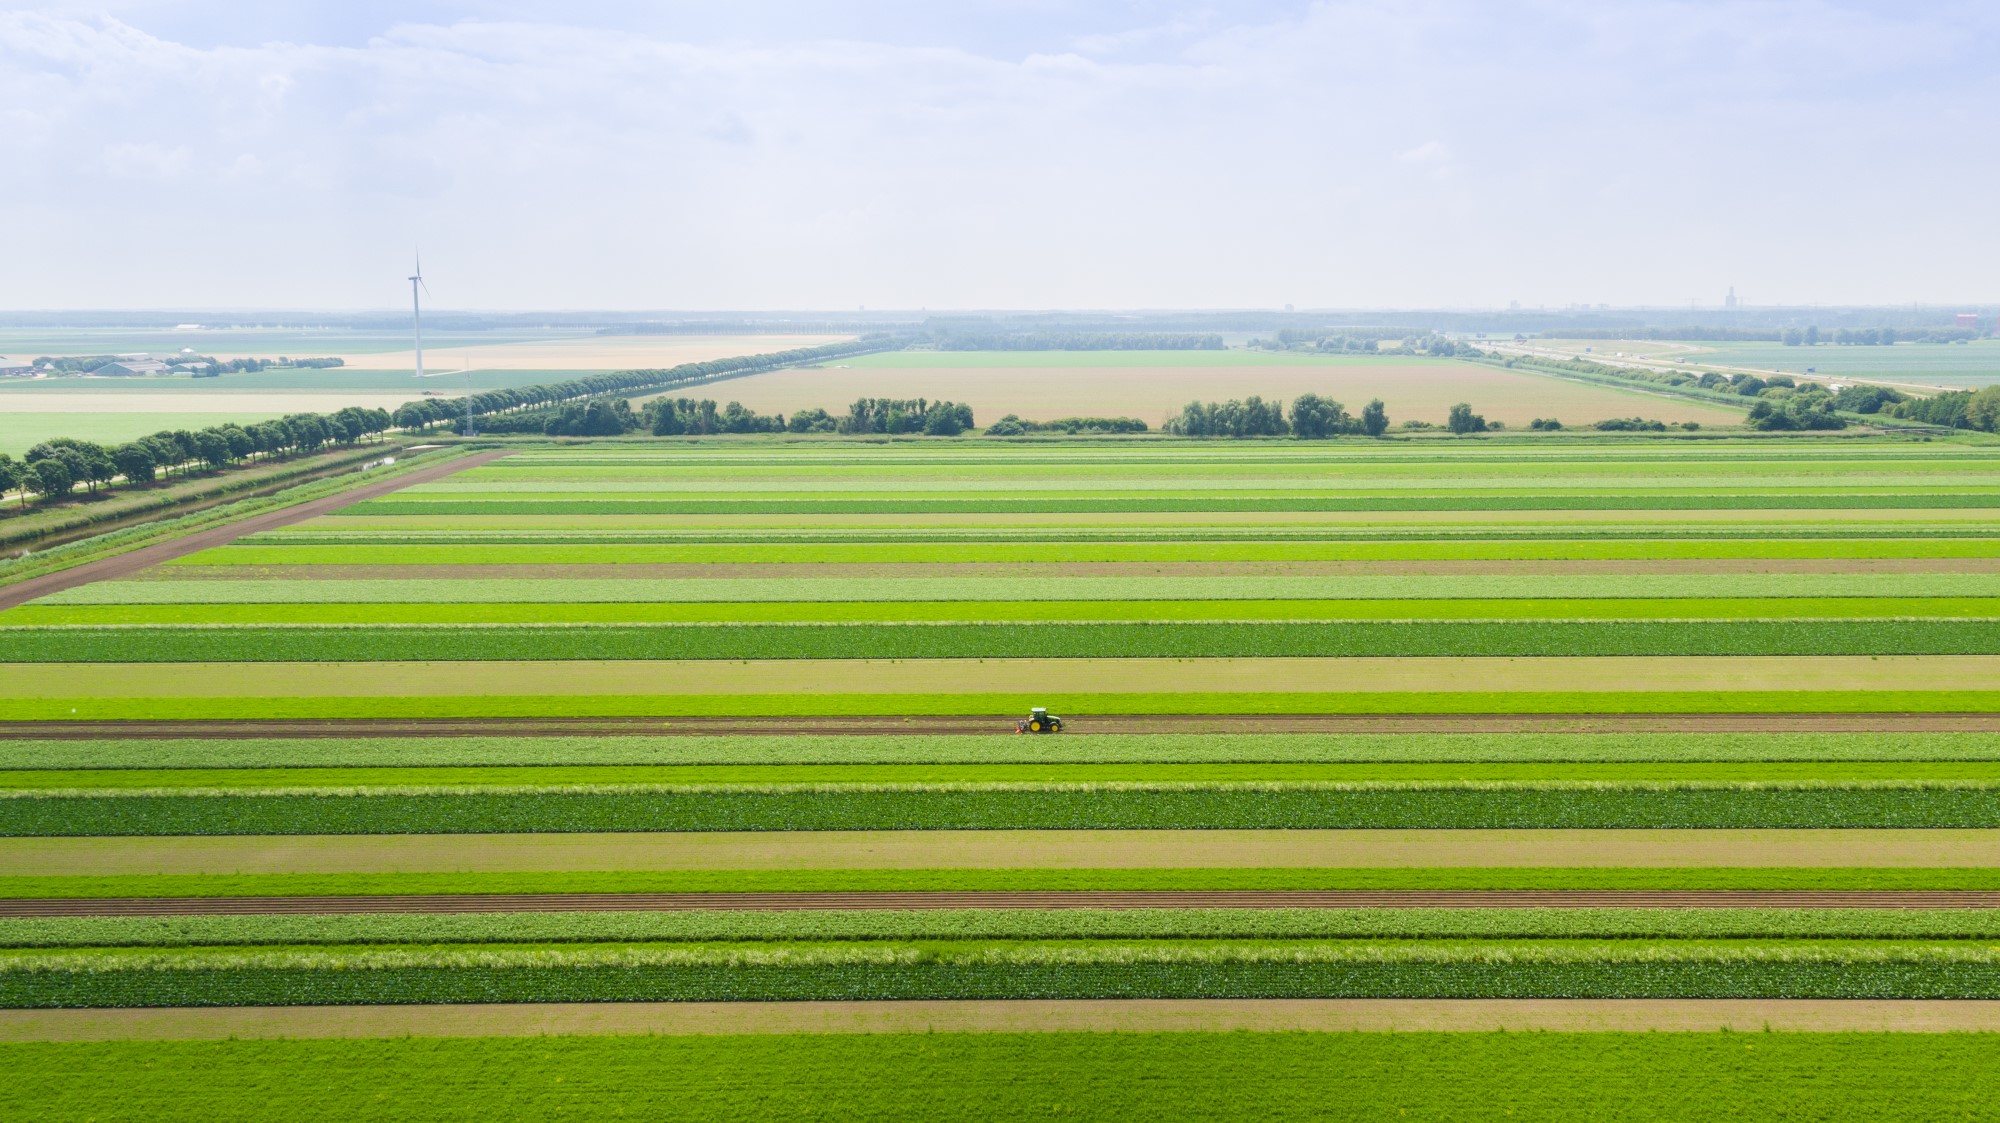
[1378, 1015]
[1061, 899]
[999, 849]
[1103, 725]
[658, 571]
[126, 564]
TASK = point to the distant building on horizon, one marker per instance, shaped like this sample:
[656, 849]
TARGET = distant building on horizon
[1730, 300]
[15, 366]
[124, 367]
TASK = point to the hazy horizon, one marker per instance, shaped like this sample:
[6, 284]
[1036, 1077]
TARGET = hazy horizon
[1151, 154]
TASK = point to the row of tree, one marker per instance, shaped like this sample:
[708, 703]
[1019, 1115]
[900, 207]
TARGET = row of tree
[58, 466]
[1959, 409]
[1013, 426]
[673, 417]
[426, 412]
[1310, 417]
[1789, 336]
[1863, 337]
[84, 364]
[1076, 341]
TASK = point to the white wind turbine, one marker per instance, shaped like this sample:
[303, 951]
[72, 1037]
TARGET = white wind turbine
[417, 311]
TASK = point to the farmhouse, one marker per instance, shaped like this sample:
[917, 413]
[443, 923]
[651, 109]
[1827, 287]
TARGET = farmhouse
[15, 366]
[124, 367]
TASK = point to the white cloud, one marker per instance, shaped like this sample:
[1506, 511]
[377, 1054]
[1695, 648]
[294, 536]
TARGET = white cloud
[146, 160]
[1545, 151]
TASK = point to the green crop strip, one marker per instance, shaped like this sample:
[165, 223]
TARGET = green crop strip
[139, 707]
[250, 779]
[1138, 591]
[563, 550]
[398, 754]
[1133, 1077]
[883, 612]
[1096, 969]
[1466, 502]
[1181, 640]
[1001, 807]
[1011, 924]
[79, 887]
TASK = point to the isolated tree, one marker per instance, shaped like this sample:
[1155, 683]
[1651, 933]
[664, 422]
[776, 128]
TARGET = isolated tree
[1462, 420]
[12, 476]
[1374, 418]
[1812, 335]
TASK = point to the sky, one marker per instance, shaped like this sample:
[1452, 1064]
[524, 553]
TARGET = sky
[808, 154]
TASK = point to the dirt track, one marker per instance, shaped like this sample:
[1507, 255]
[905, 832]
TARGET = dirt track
[1003, 723]
[1069, 899]
[132, 561]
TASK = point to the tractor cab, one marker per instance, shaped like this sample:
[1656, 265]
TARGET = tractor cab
[1039, 720]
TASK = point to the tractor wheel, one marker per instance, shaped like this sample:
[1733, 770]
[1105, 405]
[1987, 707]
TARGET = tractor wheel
[1034, 727]
[1055, 725]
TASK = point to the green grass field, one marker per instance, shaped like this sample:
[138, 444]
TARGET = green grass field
[1958, 365]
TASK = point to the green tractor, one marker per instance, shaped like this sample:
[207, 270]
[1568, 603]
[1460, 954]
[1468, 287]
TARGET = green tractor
[1039, 720]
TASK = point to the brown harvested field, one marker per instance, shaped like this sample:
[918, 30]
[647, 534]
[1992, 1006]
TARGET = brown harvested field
[1143, 1015]
[1043, 387]
[668, 571]
[1052, 849]
[587, 352]
[1000, 676]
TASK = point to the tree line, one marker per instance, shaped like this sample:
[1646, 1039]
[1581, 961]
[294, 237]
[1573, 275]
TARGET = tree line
[1310, 417]
[58, 466]
[1959, 409]
[427, 412]
[1013, 426]
[84, 364]
[673, 417]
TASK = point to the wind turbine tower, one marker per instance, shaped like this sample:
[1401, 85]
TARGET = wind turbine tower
[417, 311]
